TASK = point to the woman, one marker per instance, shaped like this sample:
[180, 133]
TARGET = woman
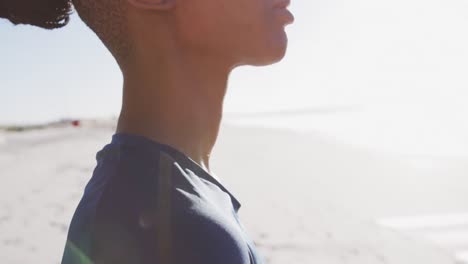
[152, 197]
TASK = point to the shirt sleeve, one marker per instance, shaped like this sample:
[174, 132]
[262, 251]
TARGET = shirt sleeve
[199, 240]
[193, 239]
[121, 223]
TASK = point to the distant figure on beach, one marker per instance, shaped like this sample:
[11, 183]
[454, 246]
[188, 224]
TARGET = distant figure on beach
[75, 123]
[152, 197]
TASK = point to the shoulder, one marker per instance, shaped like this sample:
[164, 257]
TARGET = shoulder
[200, 240]
[140, 204]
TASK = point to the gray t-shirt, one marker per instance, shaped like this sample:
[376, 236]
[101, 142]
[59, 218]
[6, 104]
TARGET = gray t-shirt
[148, 202]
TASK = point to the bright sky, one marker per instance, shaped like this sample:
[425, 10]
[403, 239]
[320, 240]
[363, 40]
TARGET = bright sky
[401, 67]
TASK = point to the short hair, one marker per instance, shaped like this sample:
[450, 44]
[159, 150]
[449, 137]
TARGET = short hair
[107, 18]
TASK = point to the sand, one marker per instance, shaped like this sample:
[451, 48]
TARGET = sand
[305, 198]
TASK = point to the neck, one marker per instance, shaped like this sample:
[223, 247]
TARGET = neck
[175, 99]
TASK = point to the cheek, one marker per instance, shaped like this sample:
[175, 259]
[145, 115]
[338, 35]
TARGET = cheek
[202, 26]
[258, 36]
[245, 30]
[250, 32]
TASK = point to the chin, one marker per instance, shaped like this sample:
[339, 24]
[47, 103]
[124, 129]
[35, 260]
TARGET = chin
[272, 57]
[271, 53]
[275, 51]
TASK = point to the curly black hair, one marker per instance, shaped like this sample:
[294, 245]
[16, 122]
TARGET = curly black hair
[48, 14]
[105, 17]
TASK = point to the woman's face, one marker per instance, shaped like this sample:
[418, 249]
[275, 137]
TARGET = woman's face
[244, 31]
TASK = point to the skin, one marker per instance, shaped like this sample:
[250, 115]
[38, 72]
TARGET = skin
[184, 50]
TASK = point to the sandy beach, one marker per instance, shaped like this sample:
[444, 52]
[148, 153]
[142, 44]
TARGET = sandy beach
[305, 198]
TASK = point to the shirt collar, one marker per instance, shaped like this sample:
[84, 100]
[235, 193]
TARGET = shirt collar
[180, 156]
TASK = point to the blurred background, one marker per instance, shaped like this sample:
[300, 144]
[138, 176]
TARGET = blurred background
[359, 137]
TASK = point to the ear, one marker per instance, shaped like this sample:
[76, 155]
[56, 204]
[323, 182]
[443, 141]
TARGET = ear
[153, 4]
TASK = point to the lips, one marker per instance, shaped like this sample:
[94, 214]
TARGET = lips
[286, 16]
[282, 4]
